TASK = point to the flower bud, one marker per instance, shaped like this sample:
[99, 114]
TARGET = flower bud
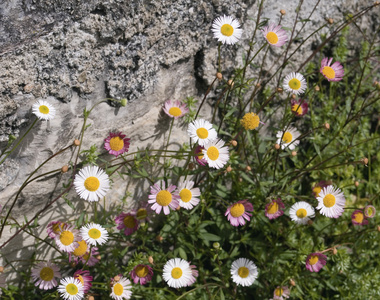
[377, 3]
[364, 160]
[334, 250]
[64, 169]
[258, 85]
[230, 83]
[191, 166]
[123, 102]
[248, 168]
[283, 12]
[76, 142]
[378, 228]
[90, 297]
[150, 259]
[292, 282]
[1, 269]
[219, 76]
[73, 264]
[294, 153]
[98, 257]
[330, 21]
[117, 278]
[327, 126]
[276, 146]
[216, 245]
[234, 143]
[178, 207]
[159, 238]
[316, 88]
[356, 183]
[279, 90]
[294, 96]
[228, 169]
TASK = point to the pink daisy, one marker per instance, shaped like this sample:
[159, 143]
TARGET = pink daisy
[369, 211]
[275, 35]
[116, 143]
[67, 239]
[82, 254]
[141, 274]
[128, 222]
[315, 261]
[199, 156]
[162, 198]
[274, 210]
[358, 218]
[175, 109]
[85, 278]
[299, 107]
[332, 72]
[54, 228]
[44, 274]
[143, 213]
[237, 212]
[281, 292]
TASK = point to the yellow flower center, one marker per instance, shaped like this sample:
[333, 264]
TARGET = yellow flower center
[141, 271]
[129, 222]
[272, 208]
[142, 213]
[359, 217]
[272, 38]
[185, 195]
[164, 198]
[313, 259]
[175, 111]
[294, 84]
[176, 273]
[66, 238]
[250, 121]
[80, 278]
[94, 233]
[116, 143]
[237, 210]
[227, 30]
[202, 133]
[91, 184]
[329, 200]
[243, 272]
[44, 109]
[47, 274]
[317, 190]
[118, 289]
[287, 137]
[213, 153]
[301, 213]
[297, 109]
[328, 72]
[72, 289]
[278, 292]
[81, 249]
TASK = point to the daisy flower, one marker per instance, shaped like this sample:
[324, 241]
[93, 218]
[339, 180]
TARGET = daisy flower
[121, 289]
[295, 83]
[189, 196]
[79, 251]
[288, 138]
[143, 212]
[94, 234]
[281, 292]
[163, 198]
[301, 212]
[54, 228]
[178, 273]
[199, 157]
[90, 258]
[226, 30]
[215, 154]
[332, 72]
[244, 272]
[116, 143]
[44, 274]
[85, 278]
[358, 218]
[237, 212]
[299, 107]
[274, 210]
[43, 110]
[141, 274]
[71, 288]
[201, 132]
[275, 35]
[331, 202]
[67, 239]
[369, 211]
[315, 261]
[91, 183]
[175, 109]
[250, 121]
[128, 222]
[319, 186]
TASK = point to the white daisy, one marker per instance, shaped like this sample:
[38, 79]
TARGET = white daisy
[226, 30]
[288, 138]
[201, 132]
[43, 110]
[215, 154]
[189, 196]
[71, 288]
[91, 183]
[295, 83]
[301, 212]
[244, 272]
[67, 239]
[331, 202]
[178, 273]
[121, 289]
[94, 234]
[44, 274]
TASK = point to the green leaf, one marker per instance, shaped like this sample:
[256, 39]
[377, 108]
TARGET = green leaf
[210, 237]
